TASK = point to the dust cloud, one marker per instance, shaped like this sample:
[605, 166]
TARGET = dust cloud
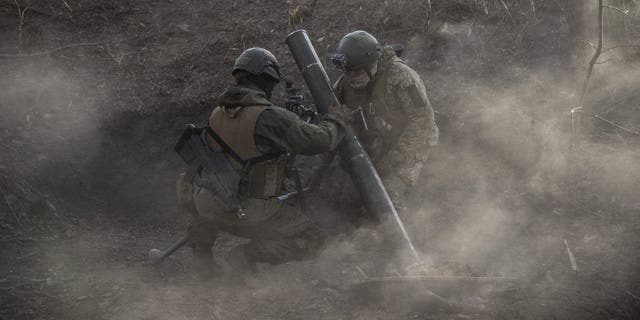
[48, 106]
[500, 196]
[503, 190]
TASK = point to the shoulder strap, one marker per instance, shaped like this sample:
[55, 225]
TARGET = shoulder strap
[224, 145]
[245, 163]
[379, 87]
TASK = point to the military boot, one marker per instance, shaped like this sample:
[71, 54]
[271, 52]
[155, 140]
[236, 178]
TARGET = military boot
[202, 238]
[203, 262]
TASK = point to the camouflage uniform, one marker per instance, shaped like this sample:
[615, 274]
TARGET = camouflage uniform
[278, 230]
[394, 120]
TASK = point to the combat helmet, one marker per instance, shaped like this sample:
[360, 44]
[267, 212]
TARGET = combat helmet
[358, 49]
[258, 61]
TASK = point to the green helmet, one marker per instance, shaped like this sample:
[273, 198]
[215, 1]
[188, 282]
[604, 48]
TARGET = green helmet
[356, 50]
[258, 61]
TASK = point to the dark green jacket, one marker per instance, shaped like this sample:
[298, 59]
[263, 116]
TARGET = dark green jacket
[279, 130]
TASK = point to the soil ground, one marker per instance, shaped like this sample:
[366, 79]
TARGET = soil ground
[87, 169]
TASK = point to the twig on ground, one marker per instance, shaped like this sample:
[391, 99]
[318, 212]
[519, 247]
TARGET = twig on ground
[364, 275]
[118, 57]
[400, 30]
[533, 9]
[295, 17]
[590, 44]
[633, 295]
[572, 259]
[30, 254]
[484, 6]
[580, 207]
[549, 277]
[427, 8]
[260, 31]
[609, 122]
[67, 5]
[575, 115]
[446, 278]
[23, 283]
[506, 8]
[625, 12]
[47, 52]
[427, 22]
[10, 206]
[624, 17]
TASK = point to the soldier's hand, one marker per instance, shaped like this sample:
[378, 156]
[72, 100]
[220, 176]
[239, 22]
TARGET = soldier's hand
[335, 108]
[335, 113]
[341, 112]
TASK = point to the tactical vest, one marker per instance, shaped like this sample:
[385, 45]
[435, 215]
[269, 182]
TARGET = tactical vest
[236, 127]
[373, 118]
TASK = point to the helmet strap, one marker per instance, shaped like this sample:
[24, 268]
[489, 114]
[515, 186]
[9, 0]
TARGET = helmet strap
[264, 83]
[371, 72]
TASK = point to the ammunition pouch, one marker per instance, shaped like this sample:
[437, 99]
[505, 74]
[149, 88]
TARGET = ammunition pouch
[211, 169]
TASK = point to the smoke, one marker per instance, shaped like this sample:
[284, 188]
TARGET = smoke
[501, 192]
[491, 202]
[50, 136]
[46, 105]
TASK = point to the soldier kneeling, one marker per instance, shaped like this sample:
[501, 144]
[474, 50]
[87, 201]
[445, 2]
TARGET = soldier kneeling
[247, 125]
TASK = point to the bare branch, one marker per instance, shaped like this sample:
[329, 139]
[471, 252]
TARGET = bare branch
[427, 22]
[21, 12]
[590, 44]
[595, 57]
[605, 61]
[572, 258]
[607, 121]
[622, 46]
